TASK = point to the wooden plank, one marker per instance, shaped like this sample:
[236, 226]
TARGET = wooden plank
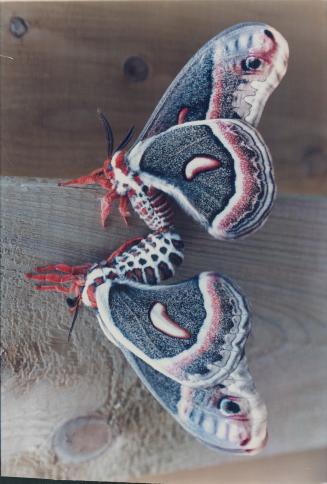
[71, 61]
[299, 468]
[47, 382]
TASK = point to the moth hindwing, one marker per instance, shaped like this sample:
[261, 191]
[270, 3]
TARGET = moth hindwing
[193, 332]
[219, 171]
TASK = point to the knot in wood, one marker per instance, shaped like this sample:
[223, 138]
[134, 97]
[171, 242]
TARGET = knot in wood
[136, 69]
[18, 27]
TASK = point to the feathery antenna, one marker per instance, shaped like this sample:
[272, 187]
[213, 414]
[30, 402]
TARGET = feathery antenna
[126, 140]
[109, 133]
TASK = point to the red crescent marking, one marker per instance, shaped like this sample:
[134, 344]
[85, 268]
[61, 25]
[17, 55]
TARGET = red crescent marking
[182, 115]
[161, 321]
[200, 164]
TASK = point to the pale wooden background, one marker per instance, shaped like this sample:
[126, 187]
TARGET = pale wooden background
[68, 63]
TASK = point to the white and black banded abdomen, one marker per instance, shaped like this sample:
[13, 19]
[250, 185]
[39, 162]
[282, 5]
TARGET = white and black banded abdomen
[153, 259]
[147, 261]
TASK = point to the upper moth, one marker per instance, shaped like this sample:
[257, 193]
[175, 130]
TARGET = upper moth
[201, 146]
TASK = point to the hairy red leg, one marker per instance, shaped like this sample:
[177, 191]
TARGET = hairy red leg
[99, 176]
[76, 270]
[104, 177]
[51, 277]
[105, 183]
[123, 208]
[74, 288]
[53, 288]
[75, 275]
[90, 179]
[106, 204]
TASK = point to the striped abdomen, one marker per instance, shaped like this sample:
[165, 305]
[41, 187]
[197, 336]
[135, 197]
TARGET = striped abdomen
[148, 261]
[152, 260]
[153, 207]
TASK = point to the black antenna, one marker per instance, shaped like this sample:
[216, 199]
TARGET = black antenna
[126, 140]
[109, 133]
[73, 322]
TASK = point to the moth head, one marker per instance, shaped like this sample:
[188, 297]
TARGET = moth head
[115, 168]
[98, 275]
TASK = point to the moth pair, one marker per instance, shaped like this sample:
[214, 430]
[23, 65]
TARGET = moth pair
[201, 147]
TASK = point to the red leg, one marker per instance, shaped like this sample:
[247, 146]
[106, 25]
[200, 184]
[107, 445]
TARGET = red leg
[106, 204]
[54, 288]
[105, 183]
[81, 269]
[82, 180]
[123, 208]
[104, 177]
[51, 277]
[75, 275]
[96, 177]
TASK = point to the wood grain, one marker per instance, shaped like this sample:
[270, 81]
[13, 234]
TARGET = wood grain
[71, 61]
[299, 467]
[48, 384]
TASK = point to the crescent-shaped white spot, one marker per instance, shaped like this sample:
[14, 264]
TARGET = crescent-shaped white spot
[161, 321]
[199, 164]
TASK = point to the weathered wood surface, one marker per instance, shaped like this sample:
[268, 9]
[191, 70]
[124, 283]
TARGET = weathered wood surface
[71, 61]
[297, 468]
[48, 382]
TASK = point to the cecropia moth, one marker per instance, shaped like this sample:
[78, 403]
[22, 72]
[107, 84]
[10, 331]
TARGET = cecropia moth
[201, 146]
[186, 341]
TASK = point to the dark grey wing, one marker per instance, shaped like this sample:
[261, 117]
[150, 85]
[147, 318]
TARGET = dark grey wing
[231, 76]
[219, 171]
[193, 332]
[229, 416]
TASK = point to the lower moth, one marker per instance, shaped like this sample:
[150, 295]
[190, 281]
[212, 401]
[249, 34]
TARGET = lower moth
[185, 341]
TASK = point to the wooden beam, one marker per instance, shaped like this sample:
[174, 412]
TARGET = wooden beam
[58, 396]
[301, 467]
[72, 59]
